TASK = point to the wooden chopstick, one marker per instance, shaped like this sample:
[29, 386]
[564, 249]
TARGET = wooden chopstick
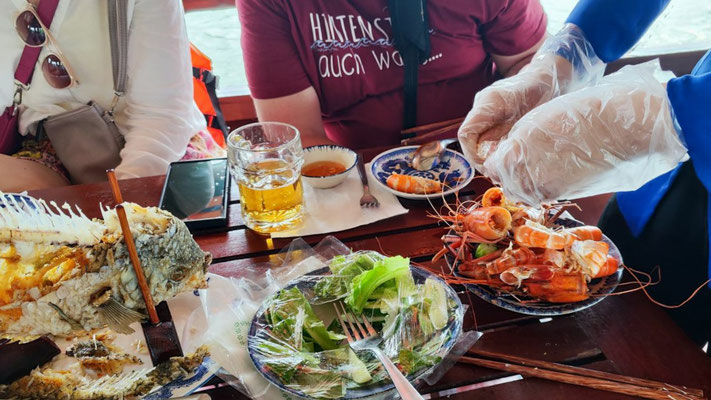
[431, 134]
[586, 381]
[131, 246]
[588, 372]
[434, 125]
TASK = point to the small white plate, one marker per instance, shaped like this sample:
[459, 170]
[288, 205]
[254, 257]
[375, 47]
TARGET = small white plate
[454, 170]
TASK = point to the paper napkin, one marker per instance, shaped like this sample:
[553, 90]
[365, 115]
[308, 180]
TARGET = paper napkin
[338, 208]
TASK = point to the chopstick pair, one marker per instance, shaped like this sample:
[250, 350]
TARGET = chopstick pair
[420, 133]
[582, 376]
[161, 338]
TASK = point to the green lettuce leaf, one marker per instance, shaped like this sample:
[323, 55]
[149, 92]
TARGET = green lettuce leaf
[291, 316]
[367, 282]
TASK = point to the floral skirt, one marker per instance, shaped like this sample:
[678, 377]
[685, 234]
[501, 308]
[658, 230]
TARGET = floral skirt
[202, 145]
[41, 151]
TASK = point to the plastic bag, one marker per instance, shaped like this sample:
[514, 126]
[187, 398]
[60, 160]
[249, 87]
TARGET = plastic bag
[566, 62]
[312, 360]
[612, 137]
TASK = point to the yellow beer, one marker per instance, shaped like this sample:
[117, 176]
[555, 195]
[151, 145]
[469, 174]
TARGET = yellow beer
[271, 196]
[265, 160]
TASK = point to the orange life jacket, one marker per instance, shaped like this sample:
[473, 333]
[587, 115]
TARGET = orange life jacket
[205, 94]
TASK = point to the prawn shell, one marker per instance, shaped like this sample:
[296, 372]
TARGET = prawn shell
[592, 256]
[563, 288]
[609, 268]
[490, 223]
[493, 196]
[535, 235]
[509, 259]
[527, 273]
[586, 232]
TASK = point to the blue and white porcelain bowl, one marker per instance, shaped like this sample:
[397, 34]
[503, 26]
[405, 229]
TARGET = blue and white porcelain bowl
[454, 171]
[327, 152]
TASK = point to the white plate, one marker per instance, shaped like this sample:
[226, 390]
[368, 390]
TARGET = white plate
[454, 169]
[181, 307]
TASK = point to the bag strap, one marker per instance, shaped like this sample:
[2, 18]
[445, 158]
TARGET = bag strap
[30, 55]
[411, 33]
[118, 31]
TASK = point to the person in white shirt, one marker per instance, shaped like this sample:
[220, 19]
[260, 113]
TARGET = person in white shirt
[157, 114]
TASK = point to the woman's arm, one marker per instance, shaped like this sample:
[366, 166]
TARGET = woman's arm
[278, 83]
[160, 110]
[301, 109]
[510, 65]
[690, 97]
[611, 26]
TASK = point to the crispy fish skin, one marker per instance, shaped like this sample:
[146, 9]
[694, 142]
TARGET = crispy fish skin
[61, 288]
[63, 385]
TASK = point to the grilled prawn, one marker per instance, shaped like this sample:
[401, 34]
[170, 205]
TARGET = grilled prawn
[413, 184]
[518, 249]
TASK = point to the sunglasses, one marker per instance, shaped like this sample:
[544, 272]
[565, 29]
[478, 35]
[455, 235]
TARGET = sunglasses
[33, 32]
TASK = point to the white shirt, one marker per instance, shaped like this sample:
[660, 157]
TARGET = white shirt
[157, 115]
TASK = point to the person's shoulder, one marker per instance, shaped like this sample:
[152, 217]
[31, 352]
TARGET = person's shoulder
[274, 5]
[484, 10]
[496, 9]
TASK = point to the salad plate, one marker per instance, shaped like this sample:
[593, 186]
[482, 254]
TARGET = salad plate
[298, 363]
[599, 288]
[454, 171]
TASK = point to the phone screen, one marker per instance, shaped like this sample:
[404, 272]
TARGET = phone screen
[197, 190]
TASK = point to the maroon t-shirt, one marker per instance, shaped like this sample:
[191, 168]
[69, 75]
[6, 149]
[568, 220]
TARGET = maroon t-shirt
[344, 49]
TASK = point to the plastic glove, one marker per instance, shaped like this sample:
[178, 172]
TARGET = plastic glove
[565, 62]
[612, 137]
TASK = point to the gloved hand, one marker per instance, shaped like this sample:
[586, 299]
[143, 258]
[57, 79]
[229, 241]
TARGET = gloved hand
[563, 64]
[612, 137]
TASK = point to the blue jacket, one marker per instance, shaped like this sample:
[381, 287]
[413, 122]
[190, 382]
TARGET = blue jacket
[613, 27]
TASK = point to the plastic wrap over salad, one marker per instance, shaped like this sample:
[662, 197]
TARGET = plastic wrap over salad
[280, 326]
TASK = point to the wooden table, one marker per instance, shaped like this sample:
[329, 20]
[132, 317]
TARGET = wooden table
[623, 334]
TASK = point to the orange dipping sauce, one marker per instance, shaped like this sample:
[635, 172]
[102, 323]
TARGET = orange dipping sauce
[322, 168]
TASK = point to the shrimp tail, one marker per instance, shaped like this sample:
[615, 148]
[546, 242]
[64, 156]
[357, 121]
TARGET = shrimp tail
[610, 267]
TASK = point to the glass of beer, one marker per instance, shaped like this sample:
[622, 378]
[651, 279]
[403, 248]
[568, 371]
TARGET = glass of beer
[265, 160]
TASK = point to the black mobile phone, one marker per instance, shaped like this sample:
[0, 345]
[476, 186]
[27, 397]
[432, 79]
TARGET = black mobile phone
[197, 192]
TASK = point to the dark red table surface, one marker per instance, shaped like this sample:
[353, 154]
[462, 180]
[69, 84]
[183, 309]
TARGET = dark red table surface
[624, 334]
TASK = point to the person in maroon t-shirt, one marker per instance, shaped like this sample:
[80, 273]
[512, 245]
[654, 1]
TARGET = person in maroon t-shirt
[330, 68]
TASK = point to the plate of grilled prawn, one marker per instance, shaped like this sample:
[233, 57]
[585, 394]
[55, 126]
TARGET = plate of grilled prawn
[529, 260]
[70, 306]
[394, 172]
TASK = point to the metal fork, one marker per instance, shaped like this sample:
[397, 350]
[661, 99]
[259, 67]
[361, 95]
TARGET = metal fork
[364, 337]
[368, 200]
